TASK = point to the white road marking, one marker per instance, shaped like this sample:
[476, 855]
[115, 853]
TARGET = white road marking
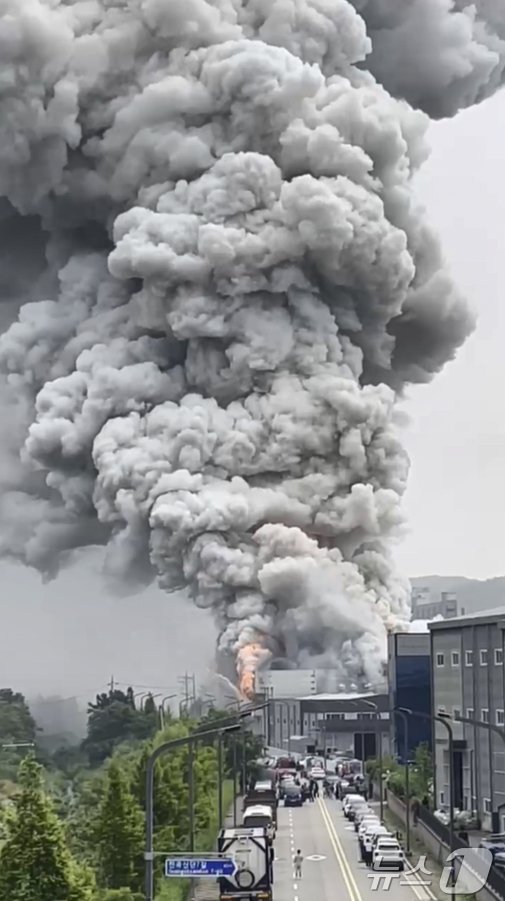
[316, 857]
[295, 886]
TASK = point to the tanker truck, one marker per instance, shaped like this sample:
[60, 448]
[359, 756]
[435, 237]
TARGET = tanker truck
[253, 854]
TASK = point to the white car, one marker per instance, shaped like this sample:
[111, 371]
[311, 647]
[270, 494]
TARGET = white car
[351, 805]
[370, 838]
[360, 815]
[387, 853]
[365, 823]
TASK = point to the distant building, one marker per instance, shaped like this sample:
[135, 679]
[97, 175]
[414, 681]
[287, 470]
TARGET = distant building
[409, 685]
[424, 607]
[286, 683]
[468, 680]
[343, 721]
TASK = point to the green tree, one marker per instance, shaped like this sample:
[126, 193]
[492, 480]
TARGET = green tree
[35, 863]
[114, 719]
[235, 744]
[119, 832]
[16, 721]
[422, 780]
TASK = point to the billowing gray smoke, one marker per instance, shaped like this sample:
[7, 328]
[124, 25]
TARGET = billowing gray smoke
[236, 283]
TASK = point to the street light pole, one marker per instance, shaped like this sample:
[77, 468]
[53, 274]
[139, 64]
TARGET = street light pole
[162, 709]
[165, 748]
[286, 705]
[402, 712]
[442, 719]
[220, 778]
[490, 728]
[235, 792]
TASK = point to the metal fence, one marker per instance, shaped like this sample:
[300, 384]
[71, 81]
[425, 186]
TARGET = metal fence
[441, 831]
[495, 879]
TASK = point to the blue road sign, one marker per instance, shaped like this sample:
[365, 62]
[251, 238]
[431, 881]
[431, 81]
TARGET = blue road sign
[193, 867]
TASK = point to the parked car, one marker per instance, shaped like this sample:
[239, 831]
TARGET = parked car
[495, 844]
[372, 834]
[388, 853]
[365, 823]
[351, 804]
[361, 813]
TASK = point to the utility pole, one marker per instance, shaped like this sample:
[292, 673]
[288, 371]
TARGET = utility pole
[111, 684]
[188, 684]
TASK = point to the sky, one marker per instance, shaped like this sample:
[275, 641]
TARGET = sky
[456, 437]
[71, 635]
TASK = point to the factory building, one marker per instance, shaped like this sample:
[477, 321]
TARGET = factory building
[468, 680]
[409, 686]
[342, 721]
[424, 607]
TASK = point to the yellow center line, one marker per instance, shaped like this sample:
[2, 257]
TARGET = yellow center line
[352, 888]
[347, 874]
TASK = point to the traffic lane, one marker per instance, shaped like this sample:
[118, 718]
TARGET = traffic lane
[322, 878]
[296, 826]
[367, 883]
[283, 867]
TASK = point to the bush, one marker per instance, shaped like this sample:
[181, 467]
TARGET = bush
[119, 894]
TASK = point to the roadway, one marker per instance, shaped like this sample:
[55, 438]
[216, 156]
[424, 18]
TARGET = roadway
[331, 867]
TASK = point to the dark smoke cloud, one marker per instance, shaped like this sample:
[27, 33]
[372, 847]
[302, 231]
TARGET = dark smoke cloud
[225, 282]
[440, 55]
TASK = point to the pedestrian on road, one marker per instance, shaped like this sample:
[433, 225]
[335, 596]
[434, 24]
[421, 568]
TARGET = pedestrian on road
[316, 789]
[298, 860]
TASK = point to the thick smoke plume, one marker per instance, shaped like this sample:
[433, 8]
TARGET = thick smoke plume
[223, 283]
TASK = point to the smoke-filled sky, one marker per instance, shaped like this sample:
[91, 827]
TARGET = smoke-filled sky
[456, 440]
[224, 282]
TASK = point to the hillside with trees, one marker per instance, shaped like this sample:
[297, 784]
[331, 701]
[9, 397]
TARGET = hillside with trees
[72, 820]
[474, 595]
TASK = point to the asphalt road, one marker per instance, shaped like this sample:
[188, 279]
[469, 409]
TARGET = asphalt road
[331, 868]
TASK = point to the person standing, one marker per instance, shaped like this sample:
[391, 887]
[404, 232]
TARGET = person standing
[298, 860]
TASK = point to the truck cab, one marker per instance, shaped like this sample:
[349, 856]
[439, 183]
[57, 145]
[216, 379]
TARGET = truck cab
[260, 816]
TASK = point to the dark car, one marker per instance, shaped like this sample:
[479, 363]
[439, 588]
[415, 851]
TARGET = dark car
[293, 799]
[497, 848]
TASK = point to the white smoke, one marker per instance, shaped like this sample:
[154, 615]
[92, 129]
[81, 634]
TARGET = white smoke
[238, 283]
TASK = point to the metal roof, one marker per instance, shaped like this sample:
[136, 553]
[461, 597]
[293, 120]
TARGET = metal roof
[481, 618]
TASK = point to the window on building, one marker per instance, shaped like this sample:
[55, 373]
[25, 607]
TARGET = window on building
[484, 715]
[456, 712]
[469, 713]
[500, 718]
[483, 657]
[468, 658]
[455, 658]
[487, 805]
[440, 660]
[498, 656]
[442, 798]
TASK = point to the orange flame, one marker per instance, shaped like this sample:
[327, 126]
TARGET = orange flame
[249, 659]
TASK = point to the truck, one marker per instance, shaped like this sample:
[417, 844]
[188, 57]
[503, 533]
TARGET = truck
[261, 816]
[263, 793]
[253, 854]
